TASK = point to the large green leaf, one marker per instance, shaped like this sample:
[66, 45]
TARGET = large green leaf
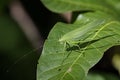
[81, 5]
[73, 60]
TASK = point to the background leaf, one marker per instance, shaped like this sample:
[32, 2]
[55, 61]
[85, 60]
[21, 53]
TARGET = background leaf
[101, 76]
[59, 6]
[17, 58]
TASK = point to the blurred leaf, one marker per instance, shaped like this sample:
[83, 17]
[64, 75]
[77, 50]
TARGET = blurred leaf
[93, 36]
[9, 33]
[3, 4]
[101, 76]
[95, 77]
[17, 58]
[116, 60]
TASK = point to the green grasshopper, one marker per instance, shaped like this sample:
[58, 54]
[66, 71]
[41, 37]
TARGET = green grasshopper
[79, 35]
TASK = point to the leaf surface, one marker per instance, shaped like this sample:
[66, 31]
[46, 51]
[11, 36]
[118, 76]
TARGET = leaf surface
[61, 6]
[59, 62]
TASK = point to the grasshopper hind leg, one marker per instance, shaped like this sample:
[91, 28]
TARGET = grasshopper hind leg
[66, 46]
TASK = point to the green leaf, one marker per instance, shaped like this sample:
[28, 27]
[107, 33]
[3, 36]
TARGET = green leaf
[102, 76]
[115, 4]
[17, 58]
[80, 5]
[95, 77]
[60, 62]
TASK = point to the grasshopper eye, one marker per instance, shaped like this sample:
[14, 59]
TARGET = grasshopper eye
[59, 69]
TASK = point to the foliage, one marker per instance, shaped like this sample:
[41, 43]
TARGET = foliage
[17, 58]
[72, 49]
